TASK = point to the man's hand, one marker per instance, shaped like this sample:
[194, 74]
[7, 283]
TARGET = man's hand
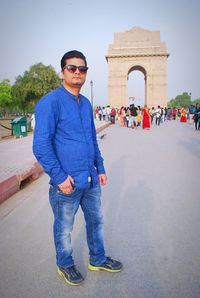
[102, 179]
[67, 186]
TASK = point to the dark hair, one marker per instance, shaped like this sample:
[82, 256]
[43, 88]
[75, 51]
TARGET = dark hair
[72, 54]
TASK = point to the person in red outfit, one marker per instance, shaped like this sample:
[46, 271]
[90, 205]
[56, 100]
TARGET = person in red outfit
[174, 113]
[145, 118]
[183, 115]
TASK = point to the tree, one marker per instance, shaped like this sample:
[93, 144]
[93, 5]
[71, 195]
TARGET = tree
[35, 83]
[195, 101]
[5, 96]
[183, 100]
[171, 103]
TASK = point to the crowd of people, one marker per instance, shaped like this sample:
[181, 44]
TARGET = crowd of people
[135, 116]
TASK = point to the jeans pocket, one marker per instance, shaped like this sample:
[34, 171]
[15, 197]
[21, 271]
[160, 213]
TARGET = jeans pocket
[59, 191]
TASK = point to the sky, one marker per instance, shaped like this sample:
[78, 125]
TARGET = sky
[33, 31]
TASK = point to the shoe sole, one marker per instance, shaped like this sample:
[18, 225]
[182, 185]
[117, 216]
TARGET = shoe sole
[66, 280]
[99, 268]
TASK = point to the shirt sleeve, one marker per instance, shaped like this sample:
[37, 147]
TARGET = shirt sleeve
[46, 117]
[98, 161]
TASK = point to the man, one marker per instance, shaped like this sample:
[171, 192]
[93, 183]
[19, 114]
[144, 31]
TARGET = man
[108, 110]
[65, 145]
[158, 115]
[197, 117]
[133, 116]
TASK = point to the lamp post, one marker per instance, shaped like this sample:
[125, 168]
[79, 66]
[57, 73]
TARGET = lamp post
[91, 85]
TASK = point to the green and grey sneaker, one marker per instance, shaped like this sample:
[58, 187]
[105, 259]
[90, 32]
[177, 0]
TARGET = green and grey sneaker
[109, 265]
[71, 275]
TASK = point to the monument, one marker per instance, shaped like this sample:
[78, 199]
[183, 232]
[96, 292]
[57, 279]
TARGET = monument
[137, 49]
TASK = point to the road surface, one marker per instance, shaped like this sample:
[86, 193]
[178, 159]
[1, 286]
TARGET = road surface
[151, 215]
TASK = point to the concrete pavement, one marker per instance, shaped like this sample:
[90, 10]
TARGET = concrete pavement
[18, 165]
[151, 216]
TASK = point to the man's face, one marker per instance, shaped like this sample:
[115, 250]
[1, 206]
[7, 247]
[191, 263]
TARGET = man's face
[74, 78]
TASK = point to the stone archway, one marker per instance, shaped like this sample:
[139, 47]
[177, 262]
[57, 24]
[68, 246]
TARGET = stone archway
[143, 71]
[137, 49]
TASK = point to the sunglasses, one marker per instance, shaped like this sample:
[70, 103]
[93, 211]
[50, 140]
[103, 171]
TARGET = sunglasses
[73, 68]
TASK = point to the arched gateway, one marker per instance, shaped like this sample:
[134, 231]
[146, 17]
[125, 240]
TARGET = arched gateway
[137, 49]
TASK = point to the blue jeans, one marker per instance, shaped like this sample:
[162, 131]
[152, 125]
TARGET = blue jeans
[64, 208]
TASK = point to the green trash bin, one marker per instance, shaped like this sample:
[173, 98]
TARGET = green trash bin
[19, 127]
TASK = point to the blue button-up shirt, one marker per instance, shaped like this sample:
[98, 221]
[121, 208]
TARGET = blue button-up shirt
[65, 139]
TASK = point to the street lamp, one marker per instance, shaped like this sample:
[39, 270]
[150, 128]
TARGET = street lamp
[91, 85]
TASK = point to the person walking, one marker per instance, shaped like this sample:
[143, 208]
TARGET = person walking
[133, 116]
[174, 113]
[65, 145]
[113, 115]
[183, 117]
[197, 117]
[104, 113]
[152, 114]
[192, 111]
[122, 117]
[158, 115]
[97, 113]
[138, 116]
[145, 118]
[108, 110]
[100, 113]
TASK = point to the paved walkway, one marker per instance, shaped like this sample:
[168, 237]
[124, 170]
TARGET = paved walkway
[17, 163]
[151, 215]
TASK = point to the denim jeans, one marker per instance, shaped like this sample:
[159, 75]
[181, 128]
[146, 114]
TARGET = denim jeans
[64, 209]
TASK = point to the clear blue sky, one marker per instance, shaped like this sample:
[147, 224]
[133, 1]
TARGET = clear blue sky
[35, 31]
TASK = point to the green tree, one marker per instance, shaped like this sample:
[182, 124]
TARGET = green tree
[195, 101]
[171, 103]
[35, 83]
[183, 100]
[5, 96]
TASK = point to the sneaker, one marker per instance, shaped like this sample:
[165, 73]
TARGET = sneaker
[71, 275]
[109, 265]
